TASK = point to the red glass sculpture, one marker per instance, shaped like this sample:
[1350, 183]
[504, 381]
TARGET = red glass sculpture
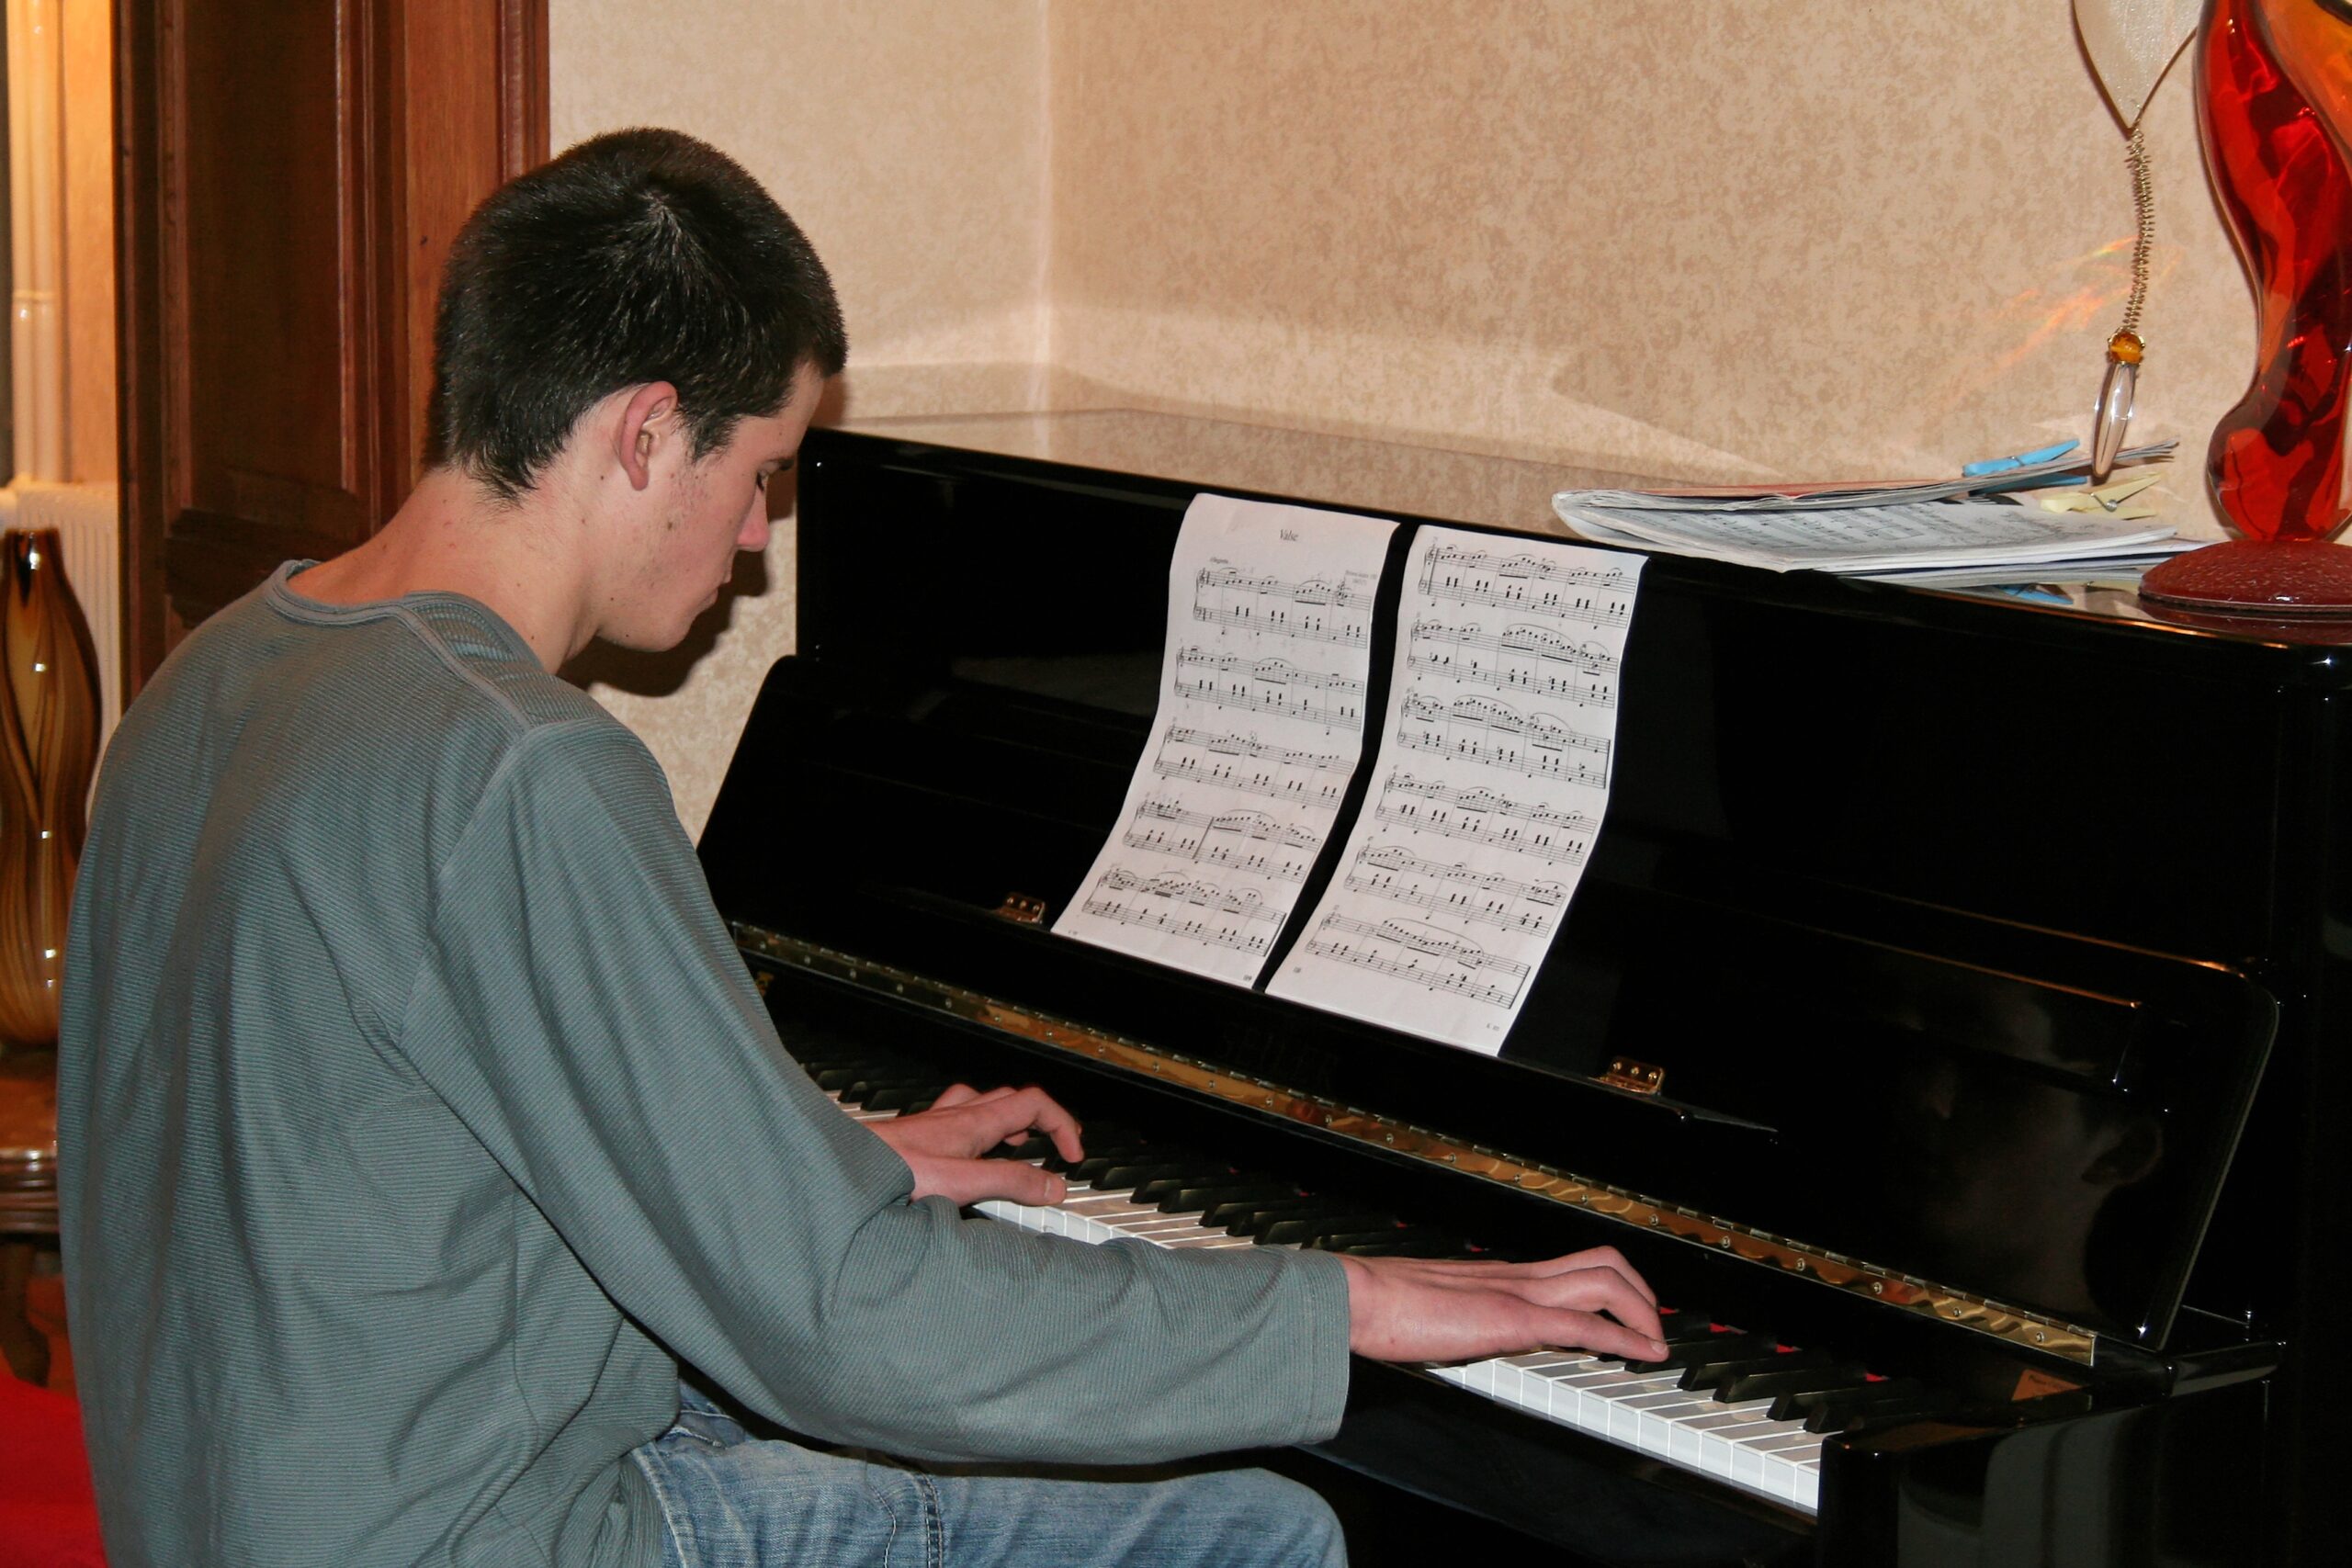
[2273, 83]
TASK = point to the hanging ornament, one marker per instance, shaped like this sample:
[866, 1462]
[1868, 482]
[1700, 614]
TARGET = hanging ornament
[2130, 43]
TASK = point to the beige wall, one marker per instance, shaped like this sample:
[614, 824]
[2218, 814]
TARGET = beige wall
[90, 376]
[909, 140]
[1744, 237]
[1790, 237]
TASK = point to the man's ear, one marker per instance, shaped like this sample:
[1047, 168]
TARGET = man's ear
[649, 416]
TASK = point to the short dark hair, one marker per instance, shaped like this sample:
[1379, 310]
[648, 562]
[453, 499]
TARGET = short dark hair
[637, 256]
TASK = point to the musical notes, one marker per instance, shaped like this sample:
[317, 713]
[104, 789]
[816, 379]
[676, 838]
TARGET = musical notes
[1498, 735]
[1246, 763]
[1316, 609]
[1421, 955]
[1483, 898]
[1425, 806]
[1192, 908]
[1270, 686]
[1521, 658]
[1598, 593]
[1494, 774]
[1259, 732]
[1257, 843]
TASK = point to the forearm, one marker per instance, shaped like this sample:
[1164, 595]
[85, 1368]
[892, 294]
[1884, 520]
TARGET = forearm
[946, 1339]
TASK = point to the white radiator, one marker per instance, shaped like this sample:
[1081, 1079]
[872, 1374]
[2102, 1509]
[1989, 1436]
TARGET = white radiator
[88, 520]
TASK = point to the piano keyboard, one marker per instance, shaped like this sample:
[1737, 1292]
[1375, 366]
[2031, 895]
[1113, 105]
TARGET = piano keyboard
[1737, 1443]
[1739, 1408]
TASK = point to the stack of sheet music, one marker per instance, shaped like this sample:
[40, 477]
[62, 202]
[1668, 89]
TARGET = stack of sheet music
[1908, 532]
[1970, 535]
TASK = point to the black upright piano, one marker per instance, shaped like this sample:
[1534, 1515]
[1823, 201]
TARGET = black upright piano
[1956, 994]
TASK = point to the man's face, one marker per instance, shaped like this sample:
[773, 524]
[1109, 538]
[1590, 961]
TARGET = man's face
[683, 554]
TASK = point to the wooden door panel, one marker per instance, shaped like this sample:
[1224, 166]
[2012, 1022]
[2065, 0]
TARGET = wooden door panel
[292, 175]
[269, 276]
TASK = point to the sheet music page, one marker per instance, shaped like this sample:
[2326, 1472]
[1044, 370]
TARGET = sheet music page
[1259, 727]
[1488, 792]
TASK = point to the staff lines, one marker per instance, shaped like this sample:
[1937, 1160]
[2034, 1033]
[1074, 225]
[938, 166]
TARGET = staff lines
[1406, 944]
[1392, 872]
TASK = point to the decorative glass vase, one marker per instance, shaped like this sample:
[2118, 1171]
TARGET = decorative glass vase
[49, 734]
[2273, 106]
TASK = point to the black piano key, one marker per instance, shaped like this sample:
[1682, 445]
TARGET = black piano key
[1123, 1176]
[1302, 1230]
[1884, 1417]
[1101, 1140]
[1159, 1188]
[1835, 1411]
[1238, 1215]
[1804, 1402]
[1100, 1160]
[1681, 1325]
[1706, 1349]
[864, 1089]
[1349, 1240]
[1708, 1374]
[1392, 1241]
[1198, 1199]
[1773, 1382]
[901, 1097]
[1426, 1246]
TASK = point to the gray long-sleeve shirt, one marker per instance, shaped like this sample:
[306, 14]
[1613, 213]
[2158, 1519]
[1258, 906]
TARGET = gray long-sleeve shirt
[415, 1111]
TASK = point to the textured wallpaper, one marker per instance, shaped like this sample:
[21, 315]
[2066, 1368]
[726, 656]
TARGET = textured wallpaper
[1756, 237]
[1745, 237]
[909, 140]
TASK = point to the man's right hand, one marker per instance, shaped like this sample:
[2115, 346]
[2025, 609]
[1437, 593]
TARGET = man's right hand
[1405, 1308]
[946, 1144]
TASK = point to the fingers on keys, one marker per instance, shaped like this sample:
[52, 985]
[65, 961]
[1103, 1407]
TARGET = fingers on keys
[1408, 1309]
[1023, 1111]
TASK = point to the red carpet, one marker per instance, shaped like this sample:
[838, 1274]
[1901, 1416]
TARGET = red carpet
[47, 1517]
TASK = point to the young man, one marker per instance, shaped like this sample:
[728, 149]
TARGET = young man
[419, 1120]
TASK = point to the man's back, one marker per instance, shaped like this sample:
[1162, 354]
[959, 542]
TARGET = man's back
[298, 1274]
[416, 1106]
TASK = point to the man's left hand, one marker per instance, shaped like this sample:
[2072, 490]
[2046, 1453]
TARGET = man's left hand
[944, 1145]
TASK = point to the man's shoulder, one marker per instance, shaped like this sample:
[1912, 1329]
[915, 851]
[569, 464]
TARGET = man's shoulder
[395, 662]
[378, 712]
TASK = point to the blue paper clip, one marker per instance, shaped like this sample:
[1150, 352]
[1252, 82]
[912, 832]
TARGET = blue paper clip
[2022, 460]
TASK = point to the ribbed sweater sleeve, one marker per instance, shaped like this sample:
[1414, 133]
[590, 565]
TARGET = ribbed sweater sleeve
[581, 1007]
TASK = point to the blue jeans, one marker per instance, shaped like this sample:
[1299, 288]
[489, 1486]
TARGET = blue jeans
[734, 1501]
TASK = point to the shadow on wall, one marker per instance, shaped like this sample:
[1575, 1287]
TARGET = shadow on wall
[659, 674]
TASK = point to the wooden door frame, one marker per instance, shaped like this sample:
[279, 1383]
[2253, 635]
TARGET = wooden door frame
[177, 567]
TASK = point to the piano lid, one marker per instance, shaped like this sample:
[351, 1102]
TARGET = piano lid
[1343, 472]
[1448, 485]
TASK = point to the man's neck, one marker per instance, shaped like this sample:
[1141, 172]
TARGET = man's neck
[452, 535]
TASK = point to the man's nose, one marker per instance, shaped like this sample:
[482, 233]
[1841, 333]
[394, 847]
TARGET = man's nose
[753, 534]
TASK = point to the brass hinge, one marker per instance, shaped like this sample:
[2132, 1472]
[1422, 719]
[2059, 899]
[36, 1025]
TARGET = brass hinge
[1022, 908]
[1639, 1078]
